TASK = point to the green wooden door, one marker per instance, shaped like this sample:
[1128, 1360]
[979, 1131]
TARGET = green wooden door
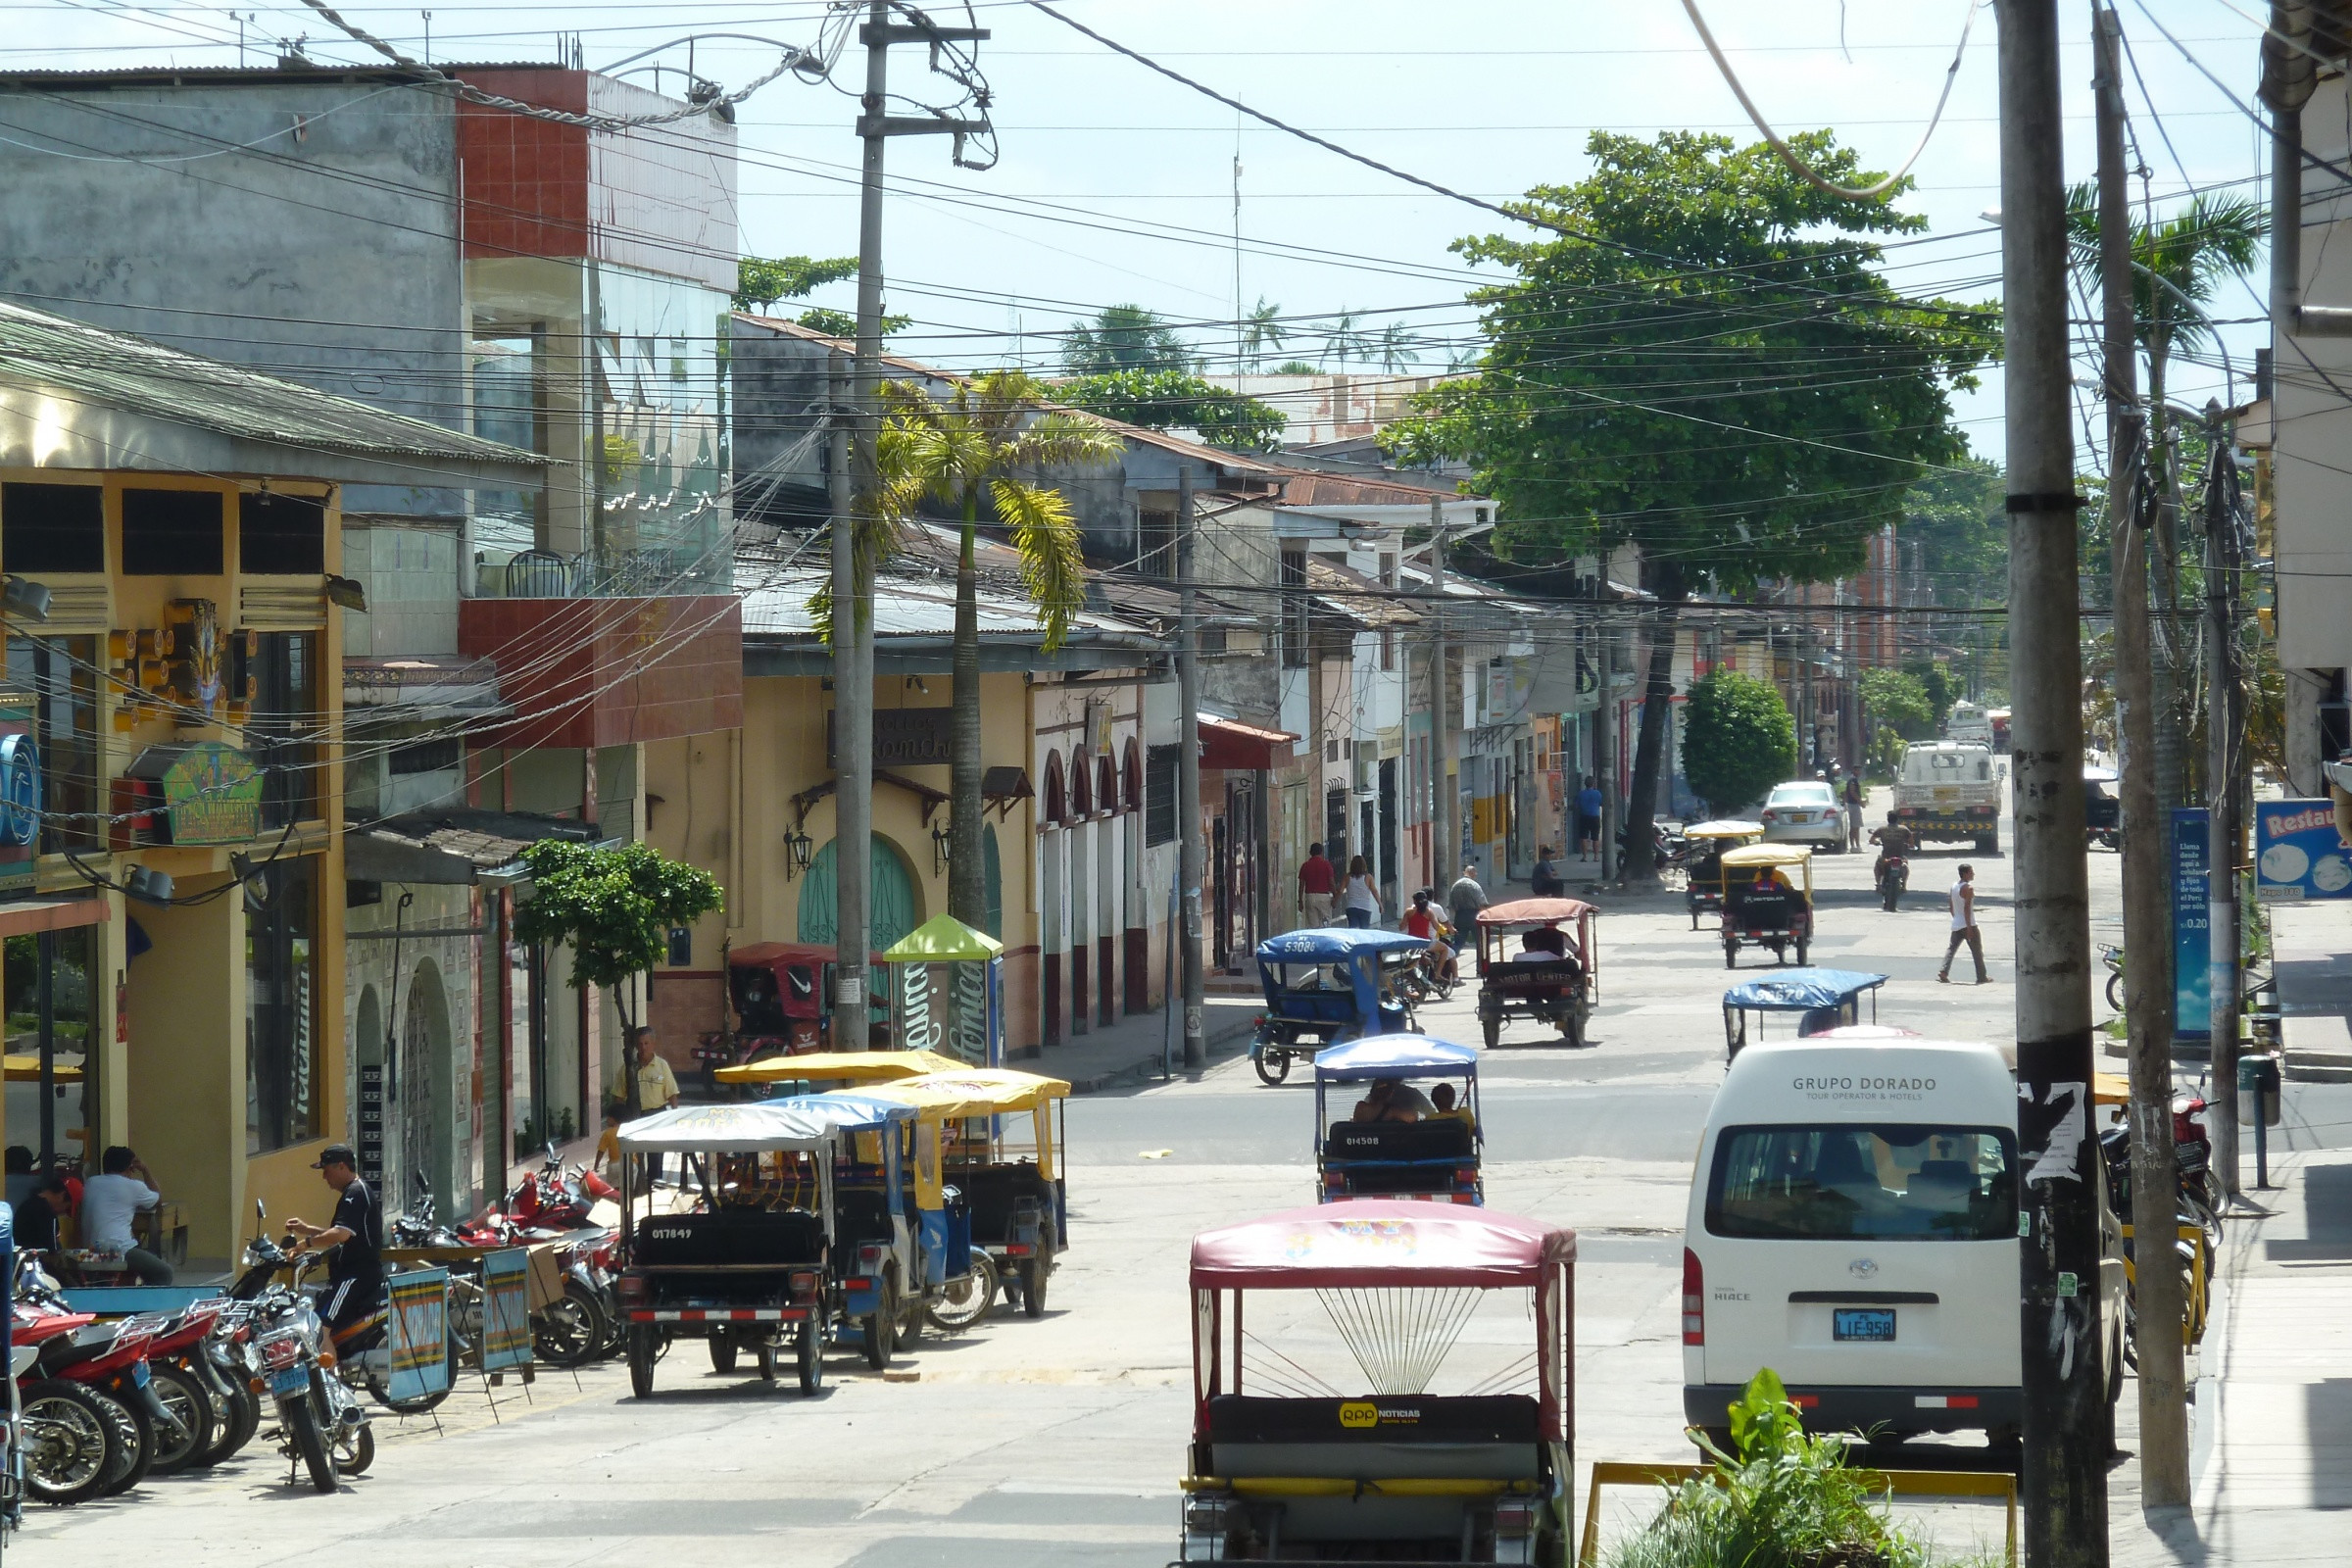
[894, 909]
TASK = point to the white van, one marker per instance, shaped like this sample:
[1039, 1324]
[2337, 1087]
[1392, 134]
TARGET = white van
[1853, 1225]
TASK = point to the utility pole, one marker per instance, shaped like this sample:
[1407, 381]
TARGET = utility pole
[853, 571]
[1445, 817]
[2163, 1382]
[2223, 722]
[1188, 776]
[2064, 1365]
[853, 728]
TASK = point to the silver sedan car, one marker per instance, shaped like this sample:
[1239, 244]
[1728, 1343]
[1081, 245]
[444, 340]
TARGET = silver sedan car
[1805, 811]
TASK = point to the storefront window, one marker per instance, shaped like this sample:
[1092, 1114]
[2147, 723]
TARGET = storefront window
[282, 1084]
[62, 674]
[55, 1018]
[661, 386]
[508, 406]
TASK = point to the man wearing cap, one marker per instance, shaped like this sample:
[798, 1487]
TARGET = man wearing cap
[352, 1240]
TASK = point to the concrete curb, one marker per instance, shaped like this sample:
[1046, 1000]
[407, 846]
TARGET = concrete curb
[1146, 1068]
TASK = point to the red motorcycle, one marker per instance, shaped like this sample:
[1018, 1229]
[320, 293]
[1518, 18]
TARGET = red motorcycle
[108, 1361]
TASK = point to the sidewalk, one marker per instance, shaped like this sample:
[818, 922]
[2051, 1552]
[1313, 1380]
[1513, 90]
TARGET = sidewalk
[2271, 1455]
[1130, 1050]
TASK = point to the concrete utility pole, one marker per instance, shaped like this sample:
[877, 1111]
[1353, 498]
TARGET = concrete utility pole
[1446, 797]
[1188, 778]
[852, 726]
[2222, 757]
[2163, 1385]
[1605, 725]
[2064, 1362]
[854, 609]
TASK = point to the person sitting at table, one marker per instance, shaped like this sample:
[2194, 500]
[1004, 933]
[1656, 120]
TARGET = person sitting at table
[109, 1200]
[37, 1216]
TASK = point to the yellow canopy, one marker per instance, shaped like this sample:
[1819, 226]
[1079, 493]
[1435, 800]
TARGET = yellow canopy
[1754, 854]
[25, 1068]
[840, 1067]
[990, 1090]
[2110, 1088]
[943, 939]
[1727, 828]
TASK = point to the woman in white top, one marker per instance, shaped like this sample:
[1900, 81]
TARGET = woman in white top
[1363, 900]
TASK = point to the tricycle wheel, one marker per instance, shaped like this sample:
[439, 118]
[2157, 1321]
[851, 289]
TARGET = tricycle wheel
[1033, 1286]
[1491, 1028]
[767, 1363]
[812, 1355]
[1800, 951]
[1572, 1032]
[881, 1330]
[966, 1301]
[641, 1359]
[722, 1352]
[910, 1318]
[1273, 1065]
[1730, 953]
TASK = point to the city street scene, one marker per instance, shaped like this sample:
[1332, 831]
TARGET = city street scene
[1043, 783]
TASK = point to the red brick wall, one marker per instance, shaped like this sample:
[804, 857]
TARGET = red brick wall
[526, 179]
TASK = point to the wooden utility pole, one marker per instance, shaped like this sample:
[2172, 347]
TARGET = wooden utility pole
[2224, 754]
[2063, 1361]
[2163, 1384]
[853, 724]
[1188, 779]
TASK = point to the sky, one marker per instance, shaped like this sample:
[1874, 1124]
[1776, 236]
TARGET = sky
[1116, 186]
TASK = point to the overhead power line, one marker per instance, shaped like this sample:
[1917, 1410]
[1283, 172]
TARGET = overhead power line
[1797, 165]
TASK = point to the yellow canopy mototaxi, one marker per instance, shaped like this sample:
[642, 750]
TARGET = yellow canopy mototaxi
[1766, 900]
[1702, 868]
[1018, 1199]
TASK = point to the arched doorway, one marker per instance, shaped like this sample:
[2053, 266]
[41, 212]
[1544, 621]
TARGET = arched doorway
[894, 906]
[427, 1080]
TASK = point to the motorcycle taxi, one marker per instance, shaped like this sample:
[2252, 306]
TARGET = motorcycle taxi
[1327, 983]
[1558, 988]
[1766, 900]
[1827, 1000]
[1703, 886]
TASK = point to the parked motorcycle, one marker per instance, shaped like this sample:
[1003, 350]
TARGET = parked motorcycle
[320, 1420]
[1895, 879]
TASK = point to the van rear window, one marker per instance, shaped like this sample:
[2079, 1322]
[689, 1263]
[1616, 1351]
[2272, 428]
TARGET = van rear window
[1856, 1181]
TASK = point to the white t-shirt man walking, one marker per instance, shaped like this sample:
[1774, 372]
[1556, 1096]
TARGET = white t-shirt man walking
[1963, 897]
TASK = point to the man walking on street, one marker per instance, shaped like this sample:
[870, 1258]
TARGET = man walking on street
[1964, 928]
[1317, 880]
[1587, 820]
[1463, 901]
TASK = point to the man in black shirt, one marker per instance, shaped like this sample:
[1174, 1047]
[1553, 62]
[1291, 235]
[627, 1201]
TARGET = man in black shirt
[352, 1240]
[36, 1222]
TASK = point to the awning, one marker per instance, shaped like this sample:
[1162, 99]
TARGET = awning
[1373, 1243]
[1230, 742]
[26, 917]
[452, 846]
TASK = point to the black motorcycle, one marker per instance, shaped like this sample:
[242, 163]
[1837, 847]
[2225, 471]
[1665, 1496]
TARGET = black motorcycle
[1894, 878]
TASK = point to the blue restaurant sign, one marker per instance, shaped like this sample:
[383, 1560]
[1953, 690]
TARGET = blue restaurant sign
[2298, 852]
[2192, 954]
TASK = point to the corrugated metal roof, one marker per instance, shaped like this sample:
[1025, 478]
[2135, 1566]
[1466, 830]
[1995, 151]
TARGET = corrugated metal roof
[1355, 595]
[116, 371]
[776, 605]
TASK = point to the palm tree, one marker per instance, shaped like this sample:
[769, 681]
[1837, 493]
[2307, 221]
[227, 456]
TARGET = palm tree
[1345, 339]
[1398, 348]
[1124, 337]
[1262, 329]
[961, 451]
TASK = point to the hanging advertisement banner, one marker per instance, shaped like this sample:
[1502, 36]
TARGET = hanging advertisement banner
[419, 1334]
[2298, 852]
[505, 1310]
[2192, 978]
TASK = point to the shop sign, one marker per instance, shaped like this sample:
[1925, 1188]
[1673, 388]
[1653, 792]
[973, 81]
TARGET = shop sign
[904, 737]
[2192, 955]
[19, 792]
[213, 795]
[2298, 852]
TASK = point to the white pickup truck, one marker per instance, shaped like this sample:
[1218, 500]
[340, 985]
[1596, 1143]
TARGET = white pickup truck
[1949, 791]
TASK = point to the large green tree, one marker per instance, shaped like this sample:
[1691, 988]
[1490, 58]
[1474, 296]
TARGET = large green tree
[1700, 358]
[967, 451]
[614, 907]
[1739, 740]
[1166, 400]
[761, 281]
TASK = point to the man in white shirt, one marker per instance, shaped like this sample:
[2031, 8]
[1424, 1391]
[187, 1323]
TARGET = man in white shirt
[1964, 926]
[108, 1202]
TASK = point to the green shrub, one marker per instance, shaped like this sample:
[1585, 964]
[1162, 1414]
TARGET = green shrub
[1778, 1498]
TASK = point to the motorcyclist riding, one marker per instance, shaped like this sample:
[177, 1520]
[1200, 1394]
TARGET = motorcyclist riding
[1895, 841]
[1423, 920]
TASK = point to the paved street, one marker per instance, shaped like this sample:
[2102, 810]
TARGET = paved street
[1061, 1441]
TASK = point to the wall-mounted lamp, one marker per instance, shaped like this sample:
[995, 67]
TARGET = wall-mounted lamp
[148, 887]
[940, 840]
[23, 599]
[346, 592]
[797, 846]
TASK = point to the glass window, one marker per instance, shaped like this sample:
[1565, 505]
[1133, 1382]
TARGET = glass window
[1851, 1181]
[53, 1017]
[281, 535]
[660, 387]
[284, 667]
[1159, 794]
[62, 674]
[53, 527]
[172, 533]
[509, 406]
[282, 1084]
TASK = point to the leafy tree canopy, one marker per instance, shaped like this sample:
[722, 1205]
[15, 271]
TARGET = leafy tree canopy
[1898, 700]
[1720, 376]
[760, 281]
[1739, 740]
[1164, 399]
[1955, 516]
[1124, 337]
[614, 907]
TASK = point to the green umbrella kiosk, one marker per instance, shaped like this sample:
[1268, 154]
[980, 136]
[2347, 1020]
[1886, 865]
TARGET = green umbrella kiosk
[947, 991]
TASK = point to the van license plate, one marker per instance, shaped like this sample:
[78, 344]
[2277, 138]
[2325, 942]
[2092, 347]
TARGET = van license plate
[1862, 1323]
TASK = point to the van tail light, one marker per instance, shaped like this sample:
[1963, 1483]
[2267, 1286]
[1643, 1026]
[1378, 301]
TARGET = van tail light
[1694, 1299]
